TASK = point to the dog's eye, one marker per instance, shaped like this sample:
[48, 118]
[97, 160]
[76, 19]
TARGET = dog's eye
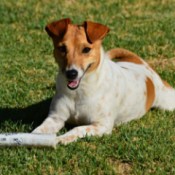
[62, 49]
[86, 50]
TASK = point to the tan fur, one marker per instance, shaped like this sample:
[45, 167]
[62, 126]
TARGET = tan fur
[75, 55]
[89, 34]
[70, 42]
[150, 94]
[123, 55]
[95, 31]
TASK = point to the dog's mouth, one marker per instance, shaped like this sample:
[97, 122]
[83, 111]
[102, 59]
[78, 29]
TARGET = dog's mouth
[73, 84]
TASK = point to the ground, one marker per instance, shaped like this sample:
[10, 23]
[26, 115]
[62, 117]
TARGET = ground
[27, 84]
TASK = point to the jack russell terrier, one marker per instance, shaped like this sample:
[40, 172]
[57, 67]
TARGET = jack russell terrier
[94, 92]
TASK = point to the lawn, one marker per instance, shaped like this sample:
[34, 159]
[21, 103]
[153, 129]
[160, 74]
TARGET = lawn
[27, 74]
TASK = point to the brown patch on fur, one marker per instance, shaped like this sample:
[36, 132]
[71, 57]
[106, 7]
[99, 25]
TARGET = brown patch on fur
[58, 28]
[88, 129]
[123, 55]
[150, 93]
[95, 57]
[95, 31]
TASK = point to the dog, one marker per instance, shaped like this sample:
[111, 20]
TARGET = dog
[94, 92]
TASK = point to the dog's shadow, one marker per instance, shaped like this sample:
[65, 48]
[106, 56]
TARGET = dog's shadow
[33, 114]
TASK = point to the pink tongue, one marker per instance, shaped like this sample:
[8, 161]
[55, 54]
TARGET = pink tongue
[73, 83]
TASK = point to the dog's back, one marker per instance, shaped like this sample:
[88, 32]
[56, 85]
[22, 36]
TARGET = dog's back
[164, 94]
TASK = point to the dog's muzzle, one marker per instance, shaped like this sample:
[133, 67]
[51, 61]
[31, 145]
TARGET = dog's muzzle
[72, 77]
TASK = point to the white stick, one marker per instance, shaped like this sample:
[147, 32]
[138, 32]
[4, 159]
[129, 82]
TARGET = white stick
[28, 139]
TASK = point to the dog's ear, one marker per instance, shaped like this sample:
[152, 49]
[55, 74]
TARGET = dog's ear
[58, 28]
[95, 31]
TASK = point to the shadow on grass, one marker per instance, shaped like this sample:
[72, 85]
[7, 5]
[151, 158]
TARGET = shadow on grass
[33, 114]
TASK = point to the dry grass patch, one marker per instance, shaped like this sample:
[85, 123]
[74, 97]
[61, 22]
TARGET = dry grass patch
[164, 64]
[119, 167]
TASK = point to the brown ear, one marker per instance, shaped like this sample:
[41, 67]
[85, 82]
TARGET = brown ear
[57, 28]
[95, 31]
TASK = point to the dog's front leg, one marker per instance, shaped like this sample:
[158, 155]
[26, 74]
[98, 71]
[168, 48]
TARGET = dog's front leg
[50, 125]
[82, 131]
[58, 114]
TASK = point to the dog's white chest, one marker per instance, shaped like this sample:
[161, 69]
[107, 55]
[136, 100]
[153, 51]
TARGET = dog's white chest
[81, 114]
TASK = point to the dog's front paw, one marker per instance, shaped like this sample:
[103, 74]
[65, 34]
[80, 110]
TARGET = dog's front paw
[67, 139]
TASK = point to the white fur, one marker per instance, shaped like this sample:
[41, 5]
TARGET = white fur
[112, 94]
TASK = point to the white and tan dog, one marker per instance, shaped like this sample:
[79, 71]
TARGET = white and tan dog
[92, 90]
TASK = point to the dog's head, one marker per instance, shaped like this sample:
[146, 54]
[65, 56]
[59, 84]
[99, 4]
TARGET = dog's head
[76, 47]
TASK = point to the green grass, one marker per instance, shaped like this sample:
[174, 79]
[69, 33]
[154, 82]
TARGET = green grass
[28, 70]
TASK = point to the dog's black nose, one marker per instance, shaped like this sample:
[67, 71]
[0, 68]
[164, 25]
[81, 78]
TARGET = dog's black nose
[71, 74]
